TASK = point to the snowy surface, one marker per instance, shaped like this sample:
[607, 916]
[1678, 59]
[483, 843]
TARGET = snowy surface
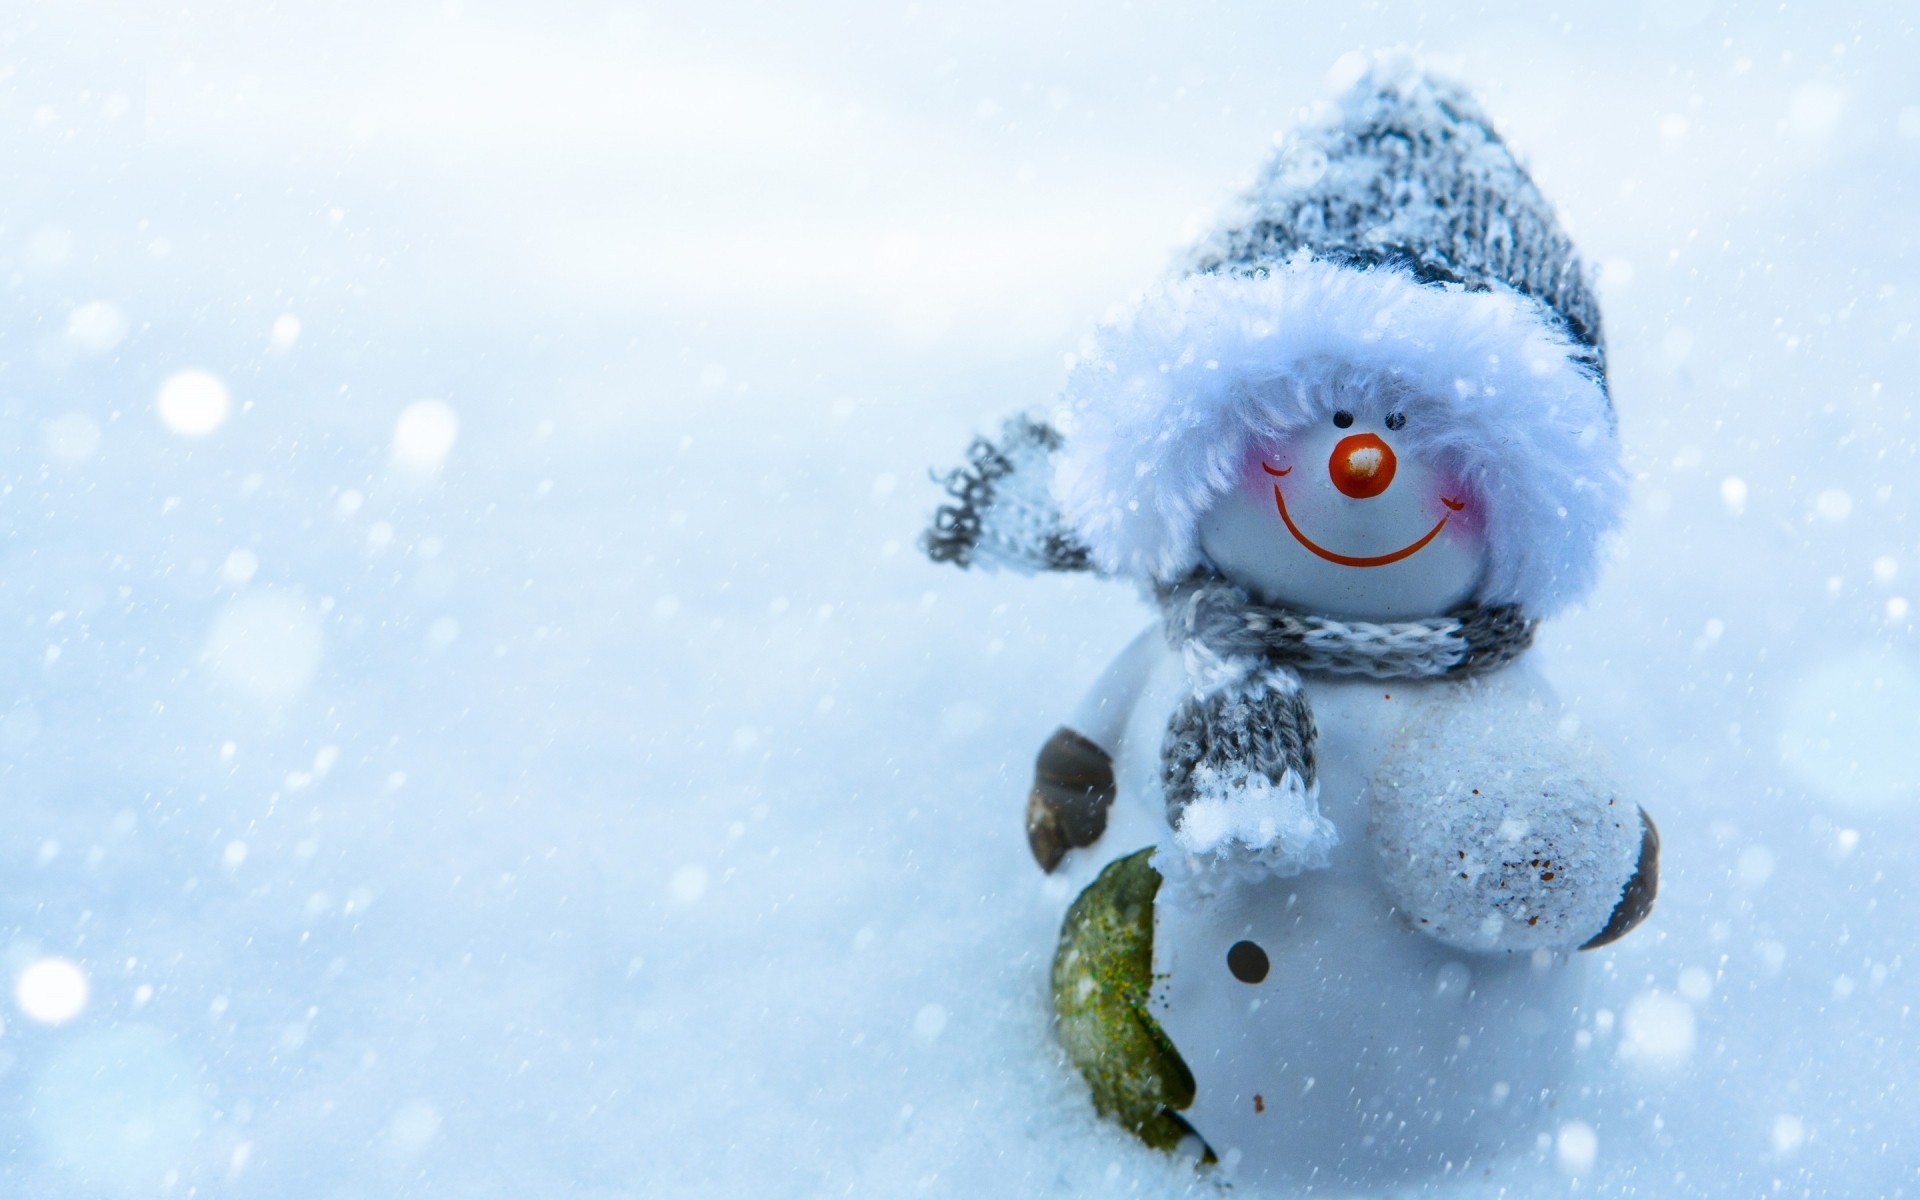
[478, 727]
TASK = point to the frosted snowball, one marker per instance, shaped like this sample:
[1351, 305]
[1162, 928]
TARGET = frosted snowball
[1496, 827]
[1657, 1031]
[71, 439]
[52, 991]
[286, 331]
[424, 435]
[266, 644]
[97, 327]
[193, 403]
[1847, 728]
[121, 1107]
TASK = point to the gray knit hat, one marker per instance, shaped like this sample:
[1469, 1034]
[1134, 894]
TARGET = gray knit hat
[1410, 174]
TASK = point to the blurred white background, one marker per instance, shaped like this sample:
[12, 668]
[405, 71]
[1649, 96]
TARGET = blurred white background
[475, 723]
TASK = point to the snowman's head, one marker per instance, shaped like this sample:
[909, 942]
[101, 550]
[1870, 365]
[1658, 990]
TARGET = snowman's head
[1349, 518]
[1343, 441]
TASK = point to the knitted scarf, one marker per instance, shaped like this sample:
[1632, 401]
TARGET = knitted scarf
[1239, 750]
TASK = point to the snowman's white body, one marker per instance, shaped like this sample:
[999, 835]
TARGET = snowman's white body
[1370, 1052]
[1376, 1048]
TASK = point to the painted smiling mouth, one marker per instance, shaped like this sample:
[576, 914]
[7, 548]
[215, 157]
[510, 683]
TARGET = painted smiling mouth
[1352, 560]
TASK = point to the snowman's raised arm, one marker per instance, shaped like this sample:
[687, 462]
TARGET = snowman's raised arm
[1004, 515]
[1073, 782]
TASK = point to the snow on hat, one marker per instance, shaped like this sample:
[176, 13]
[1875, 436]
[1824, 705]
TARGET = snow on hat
[1393, 257]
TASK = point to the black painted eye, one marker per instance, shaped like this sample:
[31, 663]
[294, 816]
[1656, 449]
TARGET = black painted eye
[1396, 420]
[1342, 420]
[1247, 961]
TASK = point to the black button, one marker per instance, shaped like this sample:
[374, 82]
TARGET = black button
[1248, 962]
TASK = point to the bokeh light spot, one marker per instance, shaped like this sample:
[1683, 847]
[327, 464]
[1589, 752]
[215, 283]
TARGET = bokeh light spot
[1848, 726]
[52, 991]
[424, 436]
[193, 403]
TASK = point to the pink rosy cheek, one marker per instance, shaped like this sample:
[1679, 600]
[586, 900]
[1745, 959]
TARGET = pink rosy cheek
[1454, 500]
[1263, 466]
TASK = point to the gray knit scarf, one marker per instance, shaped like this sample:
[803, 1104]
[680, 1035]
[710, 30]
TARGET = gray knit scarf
[1247, 712]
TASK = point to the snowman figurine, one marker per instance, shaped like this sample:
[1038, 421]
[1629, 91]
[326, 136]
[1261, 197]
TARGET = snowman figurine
[1341, 848]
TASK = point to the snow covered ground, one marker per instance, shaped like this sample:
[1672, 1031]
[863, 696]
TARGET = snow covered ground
[476, 724]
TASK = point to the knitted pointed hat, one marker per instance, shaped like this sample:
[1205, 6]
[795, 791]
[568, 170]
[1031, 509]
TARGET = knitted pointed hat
[1411, 174]
[1392, 257]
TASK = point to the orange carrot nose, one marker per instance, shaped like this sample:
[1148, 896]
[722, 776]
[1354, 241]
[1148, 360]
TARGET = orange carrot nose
[1362, 466]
